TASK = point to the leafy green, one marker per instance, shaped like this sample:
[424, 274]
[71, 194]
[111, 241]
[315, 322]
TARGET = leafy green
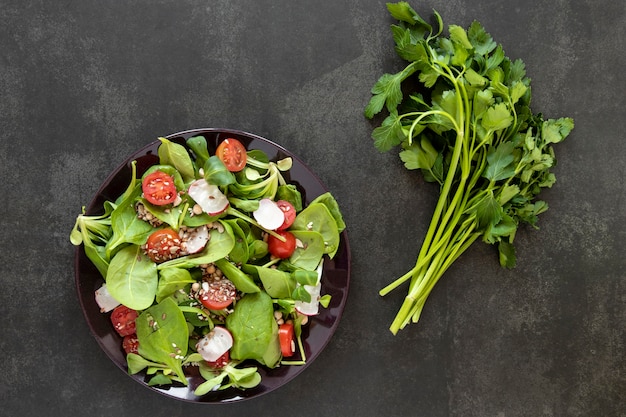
[318, 218]
[276, 283]
[176, 155]
[215, 172]
[254, 330]
[247, 377]
[331, 204]
[93, 232]
[163, 335]
[171, 280]
[132, 278]
[220, 245]
[200, 150]
[242, 281]
[313, 248]
[466, 124]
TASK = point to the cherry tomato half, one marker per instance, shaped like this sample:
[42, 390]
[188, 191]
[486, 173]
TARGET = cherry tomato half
[220, 362]
[286, 338]
[281, 249]
[233, 154]
[123, 319]
[163, 245]
[217, 295]
[159, 188]
[130, 343]
[290, 213]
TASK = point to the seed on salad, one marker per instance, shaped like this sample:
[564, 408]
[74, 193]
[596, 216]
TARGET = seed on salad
[197, 209]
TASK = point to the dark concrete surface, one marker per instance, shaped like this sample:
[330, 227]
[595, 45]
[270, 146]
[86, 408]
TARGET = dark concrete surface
[85, 83]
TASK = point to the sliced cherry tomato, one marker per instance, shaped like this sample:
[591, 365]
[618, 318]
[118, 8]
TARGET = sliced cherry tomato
[281, 249]
[290, 213]
[217, 294]
[159, 188]
[123, 319]
[220, 362]
[233, 154]
[130, 343]
[163, 245]
[286, 338]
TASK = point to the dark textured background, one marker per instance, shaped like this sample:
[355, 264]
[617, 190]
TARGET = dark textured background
[84, 83]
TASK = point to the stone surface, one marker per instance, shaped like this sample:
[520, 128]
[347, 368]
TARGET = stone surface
[84, 83]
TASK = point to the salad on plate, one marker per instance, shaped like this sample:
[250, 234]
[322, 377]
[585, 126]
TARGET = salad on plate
[211, 264]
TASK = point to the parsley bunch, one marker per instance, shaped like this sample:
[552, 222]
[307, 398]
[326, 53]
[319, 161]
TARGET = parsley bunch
[460, 111]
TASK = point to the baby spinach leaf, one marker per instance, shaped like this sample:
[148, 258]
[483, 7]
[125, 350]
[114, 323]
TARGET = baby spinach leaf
[308, 256]
[277, 283]
[216, 173]
[331, 204]
[169, 170]
[242, 281]
[163, 335]
[254, 330]
[176, 155]
[161, 379]
[127, 227]
[257, 249]
[239, 253]
[304, 277]
[132, 278]
[137, 363]
[199, 147]
[244, 204]
[171, 280]
[316, 217]
[289, 192]
[170, 215]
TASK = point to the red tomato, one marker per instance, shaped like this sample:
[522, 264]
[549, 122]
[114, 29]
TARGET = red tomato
[217, 295]
[130, 343]
[233, 154]
[159, 188]
[281, 249]
[220, 362]
[123, 319]
[285, 336]
[290, 213]
[163, 245]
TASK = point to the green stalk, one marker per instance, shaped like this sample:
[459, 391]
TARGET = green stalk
[413, 303]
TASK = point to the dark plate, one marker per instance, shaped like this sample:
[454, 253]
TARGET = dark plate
[316, 335]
